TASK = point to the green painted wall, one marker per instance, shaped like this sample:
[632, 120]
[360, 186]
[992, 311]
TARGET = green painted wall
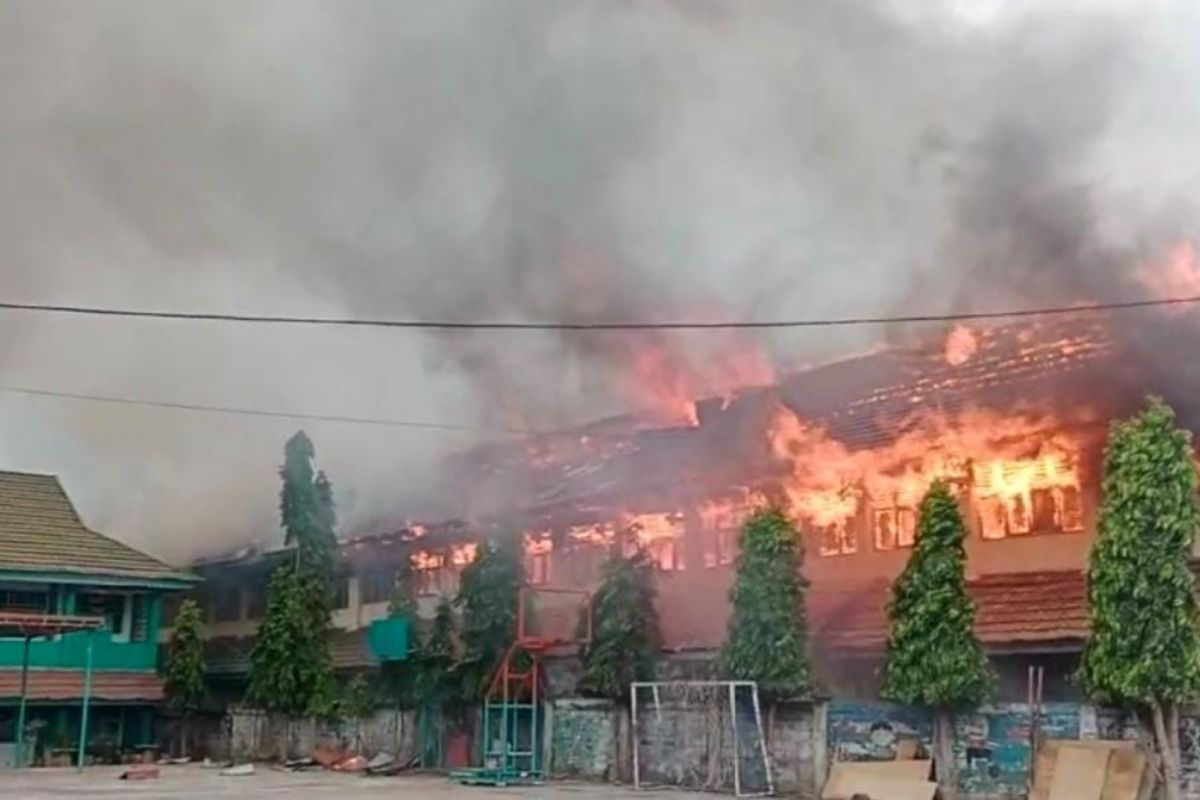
[69, 651]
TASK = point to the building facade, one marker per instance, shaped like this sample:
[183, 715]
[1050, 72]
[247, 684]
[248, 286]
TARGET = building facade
[52, 564]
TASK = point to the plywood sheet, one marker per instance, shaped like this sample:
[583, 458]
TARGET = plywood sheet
[1043, 771]
[1079, 773]
[1125, 770]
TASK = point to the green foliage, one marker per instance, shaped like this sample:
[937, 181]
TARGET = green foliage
[625, 637]
[184, 668]
[291, 670]
[933, 657]
[1145, 640]
[487, 597]
[356, 703]
[306, 508]
[767, 639]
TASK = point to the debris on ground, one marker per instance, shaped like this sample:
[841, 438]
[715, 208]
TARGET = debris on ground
[327, 756]
[301, 764]
[238, 770]
[210, 764]
[140, 772]
[380, 760]
[351, 764]
[162, 762]
[394, 767]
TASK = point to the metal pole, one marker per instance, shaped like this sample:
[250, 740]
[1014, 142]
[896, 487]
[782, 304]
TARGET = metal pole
[87, 696]
[633, 734]
[21, 710]
[737, 756]
[762, 740]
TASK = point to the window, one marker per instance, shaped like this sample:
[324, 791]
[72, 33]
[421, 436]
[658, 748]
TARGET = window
[256, 599]
[537, 560]
[225, 605]
[1028, 496]
[377, 585]
[341, 592]
[114, 608]
[836, 539]
[720, 547]
[31, 600]
[140, 626]
[894, 527]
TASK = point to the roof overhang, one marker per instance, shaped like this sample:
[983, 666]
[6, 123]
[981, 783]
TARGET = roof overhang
[170, 582]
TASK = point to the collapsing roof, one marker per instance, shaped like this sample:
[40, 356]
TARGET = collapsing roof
[40, 532]
[862, 402]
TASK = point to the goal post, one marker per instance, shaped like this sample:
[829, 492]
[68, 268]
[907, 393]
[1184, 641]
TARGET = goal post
[703, 735]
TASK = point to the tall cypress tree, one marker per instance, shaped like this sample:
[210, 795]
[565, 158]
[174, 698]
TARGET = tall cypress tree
[488, 597]
[291, 668]
[183, 672]
[767, 640]
[625, 636]
[1144, 649]
[933, 657]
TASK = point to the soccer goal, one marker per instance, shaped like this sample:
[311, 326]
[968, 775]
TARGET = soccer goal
[703, 735]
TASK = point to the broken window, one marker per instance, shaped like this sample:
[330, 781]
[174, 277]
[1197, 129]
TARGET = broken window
[836, 539]
[894, 527]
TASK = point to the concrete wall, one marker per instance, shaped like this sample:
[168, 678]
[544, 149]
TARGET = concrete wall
[258, 736]
[590, 740]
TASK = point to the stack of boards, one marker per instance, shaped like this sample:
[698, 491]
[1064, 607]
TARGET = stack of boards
[1065, 770]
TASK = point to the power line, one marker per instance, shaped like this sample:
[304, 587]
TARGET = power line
[498, 325]
[252, 412]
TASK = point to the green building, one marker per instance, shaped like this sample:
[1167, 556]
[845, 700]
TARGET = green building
[52, 564]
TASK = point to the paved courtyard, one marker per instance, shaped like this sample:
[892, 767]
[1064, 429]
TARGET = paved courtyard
[177, 782]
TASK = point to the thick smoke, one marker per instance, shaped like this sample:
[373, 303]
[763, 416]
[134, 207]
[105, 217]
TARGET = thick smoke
[530, 161]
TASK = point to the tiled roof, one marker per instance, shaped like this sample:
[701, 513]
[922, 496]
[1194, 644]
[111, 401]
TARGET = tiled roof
[1011, 609]
[40, 530]
[62, 684]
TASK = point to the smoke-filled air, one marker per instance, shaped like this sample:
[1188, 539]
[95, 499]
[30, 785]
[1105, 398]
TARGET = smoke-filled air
[549, 161]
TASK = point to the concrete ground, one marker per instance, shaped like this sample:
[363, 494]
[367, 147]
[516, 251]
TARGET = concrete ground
[177, 782]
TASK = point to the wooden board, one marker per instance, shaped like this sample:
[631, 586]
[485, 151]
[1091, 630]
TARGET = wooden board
[1125, 770]
[846, 777]
[1079, 773]
[1043, 772]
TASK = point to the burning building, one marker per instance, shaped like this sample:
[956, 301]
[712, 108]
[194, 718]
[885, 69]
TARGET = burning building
[1014, 417]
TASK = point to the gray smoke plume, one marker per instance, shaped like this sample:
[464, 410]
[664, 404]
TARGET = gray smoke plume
[525, 160]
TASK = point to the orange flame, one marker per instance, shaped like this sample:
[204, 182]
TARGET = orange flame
[961, 344]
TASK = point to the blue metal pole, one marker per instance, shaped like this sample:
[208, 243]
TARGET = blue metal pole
[87, 696]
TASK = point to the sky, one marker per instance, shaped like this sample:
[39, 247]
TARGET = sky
[529, 160]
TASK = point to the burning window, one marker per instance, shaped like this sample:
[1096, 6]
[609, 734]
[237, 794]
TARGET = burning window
[836, 539]
[894, 527]
[660, 536]
[722, 521]
[1019, 497]
[537, 560]
[428, 570]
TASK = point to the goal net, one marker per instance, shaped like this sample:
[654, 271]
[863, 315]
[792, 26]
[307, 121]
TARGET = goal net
[703, 735]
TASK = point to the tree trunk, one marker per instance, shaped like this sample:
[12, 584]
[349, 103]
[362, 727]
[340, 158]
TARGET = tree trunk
[1166, 738]
[943, 742]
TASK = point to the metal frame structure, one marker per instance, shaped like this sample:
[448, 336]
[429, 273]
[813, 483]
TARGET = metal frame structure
[733, 686]
[514, 696]
[30, 626]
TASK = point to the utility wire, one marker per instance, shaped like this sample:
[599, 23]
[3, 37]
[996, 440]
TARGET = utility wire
[251, 412]
[359, 322]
